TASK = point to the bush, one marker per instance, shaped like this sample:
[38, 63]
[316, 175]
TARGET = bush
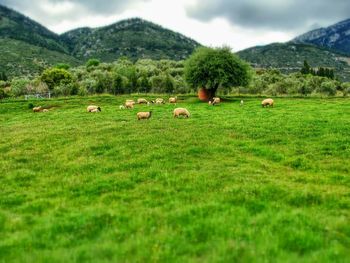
[54, 77]
[92, 63]
[19, 87]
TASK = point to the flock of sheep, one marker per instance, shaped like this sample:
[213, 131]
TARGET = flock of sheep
[129, 104]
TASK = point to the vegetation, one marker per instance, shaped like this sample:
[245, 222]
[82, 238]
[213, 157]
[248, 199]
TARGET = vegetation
[27, 48]
[290, 57]
[213, 68]
[167, 76]
[79, 187]
[133, 38]
[20, 59]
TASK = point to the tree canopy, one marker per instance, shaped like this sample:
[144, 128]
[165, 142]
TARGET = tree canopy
[211, 68]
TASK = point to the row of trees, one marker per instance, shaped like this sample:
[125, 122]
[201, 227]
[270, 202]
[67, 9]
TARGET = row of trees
[216, 70]
[321, 71]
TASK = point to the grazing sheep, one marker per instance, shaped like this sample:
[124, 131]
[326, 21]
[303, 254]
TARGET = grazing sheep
[131, 101]
[160, 101]
[121, 107]
[93, 107]
[45, 110]
[215, 101]
[267, 102]
[142, 101]
[37, 109]
[95, 110]
[242, 103]
[144, 115]
[172, 100]
[129, 104]
[181, 112]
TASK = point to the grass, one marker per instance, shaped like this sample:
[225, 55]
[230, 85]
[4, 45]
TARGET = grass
[230, 184]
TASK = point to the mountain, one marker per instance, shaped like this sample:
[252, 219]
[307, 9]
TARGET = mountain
[14, 25]
[335, 37]
[26, 47]
[289, 57]
[18, 58]
[134, 38]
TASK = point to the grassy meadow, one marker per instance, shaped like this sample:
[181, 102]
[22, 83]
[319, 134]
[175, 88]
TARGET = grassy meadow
[229, 184]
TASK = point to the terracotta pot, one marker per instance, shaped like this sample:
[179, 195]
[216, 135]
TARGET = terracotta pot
[203, 94]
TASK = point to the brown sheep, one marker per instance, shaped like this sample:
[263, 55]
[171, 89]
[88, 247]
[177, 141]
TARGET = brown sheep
[181, 112]
[93, 107]
[144, 115]
[267, 102]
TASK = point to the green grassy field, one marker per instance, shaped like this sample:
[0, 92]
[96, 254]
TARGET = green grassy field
[229, 184]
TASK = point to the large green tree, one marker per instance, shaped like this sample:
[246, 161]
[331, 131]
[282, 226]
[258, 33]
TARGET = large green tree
[211, 68]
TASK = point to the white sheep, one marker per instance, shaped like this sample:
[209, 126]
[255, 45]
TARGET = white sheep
[37, 109]
[95, 110]
[160, 101]
[93, 107]
[181, 112]
[173, 100]
[130, 101]
[144, 115]
[45, 110]
[214, 101]
[129, 105]
[267, 102]
[142, 101]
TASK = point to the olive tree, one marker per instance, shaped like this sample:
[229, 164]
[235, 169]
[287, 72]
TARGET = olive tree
[211, 68]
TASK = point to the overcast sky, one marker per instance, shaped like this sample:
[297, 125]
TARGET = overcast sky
[236, 23]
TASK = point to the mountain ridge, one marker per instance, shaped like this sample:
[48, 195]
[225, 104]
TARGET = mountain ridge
[335, 37]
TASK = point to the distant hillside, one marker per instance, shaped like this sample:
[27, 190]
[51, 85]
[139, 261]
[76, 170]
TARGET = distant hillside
[134, 38]
[336, 37]
[18, 58]
[289, 57]
[17, 26]
[28, 46]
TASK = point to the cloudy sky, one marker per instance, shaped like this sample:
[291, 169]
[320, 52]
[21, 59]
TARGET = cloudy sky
[236, 23]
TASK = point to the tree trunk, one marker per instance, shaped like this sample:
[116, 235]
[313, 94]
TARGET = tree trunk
[207, 94]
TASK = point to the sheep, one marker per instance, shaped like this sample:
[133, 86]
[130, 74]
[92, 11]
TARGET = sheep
[95, 110]
[144, 115]
[160, 101]
[129, 105]
[214, 101]
[37, 109]
[172, 100]
[181, 111]
[130, 101]
[45, 110]
[121, 107]
[242, 103]
[142, 101]
[93, 107]
[267, 102]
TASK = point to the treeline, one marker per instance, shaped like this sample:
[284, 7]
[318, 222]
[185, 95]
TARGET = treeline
[159, 76]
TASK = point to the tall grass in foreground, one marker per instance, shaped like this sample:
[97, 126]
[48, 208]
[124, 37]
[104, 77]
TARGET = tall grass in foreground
[237, 184]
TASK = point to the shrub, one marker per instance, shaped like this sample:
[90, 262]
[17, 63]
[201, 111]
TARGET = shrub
[54, 77]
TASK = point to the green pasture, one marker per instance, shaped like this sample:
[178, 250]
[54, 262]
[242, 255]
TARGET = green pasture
[229, 184]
